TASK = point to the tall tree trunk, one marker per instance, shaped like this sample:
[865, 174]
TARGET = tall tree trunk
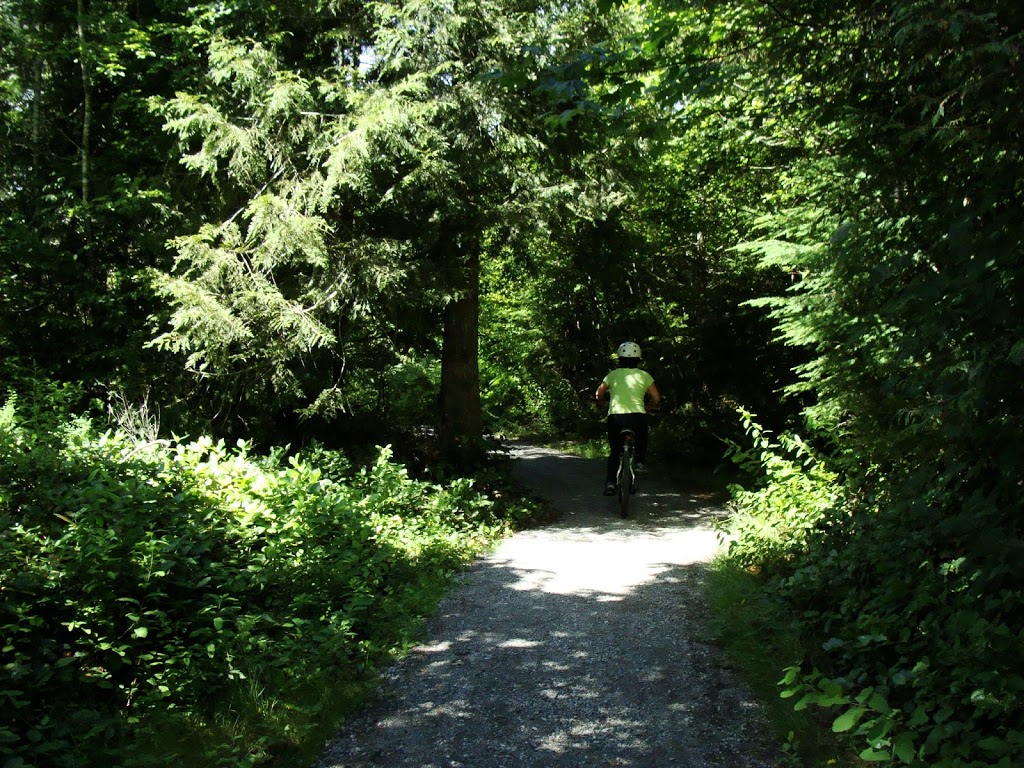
[83, 59]
[37, 134]
[461, 416]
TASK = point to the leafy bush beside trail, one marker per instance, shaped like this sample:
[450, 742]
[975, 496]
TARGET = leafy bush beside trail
[772, 522]
[168, 593]
[909, 610]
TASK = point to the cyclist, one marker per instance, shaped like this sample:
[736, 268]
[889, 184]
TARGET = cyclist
[627, 387]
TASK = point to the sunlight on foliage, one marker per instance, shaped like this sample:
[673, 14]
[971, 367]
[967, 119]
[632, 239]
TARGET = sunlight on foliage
[771, 523]
[151, 588]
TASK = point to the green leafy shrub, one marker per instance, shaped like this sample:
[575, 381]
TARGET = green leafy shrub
[771, 523]
[153, 589]
[908, 605]
[921, 652]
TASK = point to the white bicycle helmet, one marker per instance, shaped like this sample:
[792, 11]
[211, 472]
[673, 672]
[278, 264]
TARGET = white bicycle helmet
[628, 349]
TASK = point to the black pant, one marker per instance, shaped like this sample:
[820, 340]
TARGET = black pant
[618, 422]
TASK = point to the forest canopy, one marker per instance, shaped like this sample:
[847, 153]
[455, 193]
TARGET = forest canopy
[328, 223]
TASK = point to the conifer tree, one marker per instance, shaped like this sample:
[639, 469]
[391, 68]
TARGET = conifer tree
[357, 192]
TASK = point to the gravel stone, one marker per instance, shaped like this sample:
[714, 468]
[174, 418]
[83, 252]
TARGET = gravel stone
[579, 644]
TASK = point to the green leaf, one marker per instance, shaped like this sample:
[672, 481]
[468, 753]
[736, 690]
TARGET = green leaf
[140, 632]
[848, 719]
[1016, 355]
[903, 747]
[790, 676]
[874, 755]
[993, 744]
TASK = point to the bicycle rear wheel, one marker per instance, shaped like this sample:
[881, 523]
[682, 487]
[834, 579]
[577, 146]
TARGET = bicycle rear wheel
[624, 479]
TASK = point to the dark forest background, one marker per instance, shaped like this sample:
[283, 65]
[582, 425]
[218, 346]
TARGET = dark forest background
[304, 228]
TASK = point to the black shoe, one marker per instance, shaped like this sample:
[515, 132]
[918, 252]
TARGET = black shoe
[609, 488]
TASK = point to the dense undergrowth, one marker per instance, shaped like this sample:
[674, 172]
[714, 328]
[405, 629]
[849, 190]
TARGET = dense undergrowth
[194, 603]
[904, 623]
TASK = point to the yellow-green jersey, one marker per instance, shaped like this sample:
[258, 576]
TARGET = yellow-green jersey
[626, 388]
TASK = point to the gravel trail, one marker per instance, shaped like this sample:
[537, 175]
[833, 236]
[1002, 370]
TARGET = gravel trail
[578, 644]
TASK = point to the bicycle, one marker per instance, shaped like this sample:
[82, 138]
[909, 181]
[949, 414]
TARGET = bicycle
[625, 477]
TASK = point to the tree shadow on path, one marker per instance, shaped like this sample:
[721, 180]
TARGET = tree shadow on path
[573, 485]
[579, 644]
